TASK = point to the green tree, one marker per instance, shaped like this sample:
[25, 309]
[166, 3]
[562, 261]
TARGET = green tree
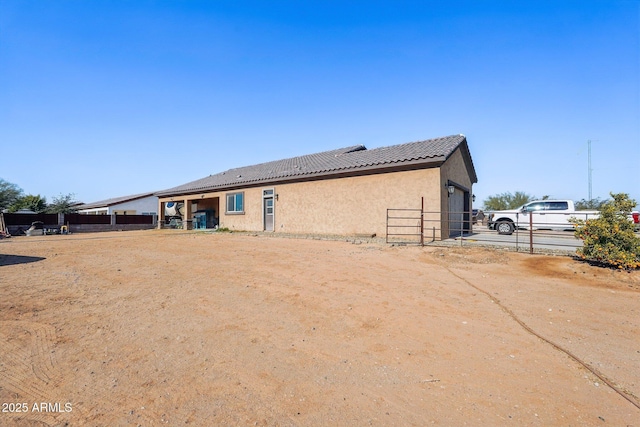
[64, 203]
[9, 194]
[593, 204]
[504, 201]
[34, 203]
[609, 239]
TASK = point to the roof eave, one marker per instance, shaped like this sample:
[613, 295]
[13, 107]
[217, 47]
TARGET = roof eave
[468, 161]
[109, 204]
[343, 173]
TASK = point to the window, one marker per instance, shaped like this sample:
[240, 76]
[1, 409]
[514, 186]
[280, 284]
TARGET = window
[235, 203]
[557, 206]
[534, 207]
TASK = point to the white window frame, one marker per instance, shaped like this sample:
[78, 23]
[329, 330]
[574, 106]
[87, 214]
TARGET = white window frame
[235, 202]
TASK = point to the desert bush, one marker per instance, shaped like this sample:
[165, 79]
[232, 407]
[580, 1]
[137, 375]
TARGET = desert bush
[584, 204]
[609, 239]
[504, 201]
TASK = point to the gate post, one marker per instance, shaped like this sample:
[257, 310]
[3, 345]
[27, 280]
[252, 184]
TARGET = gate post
[422, 222]
[531, 232]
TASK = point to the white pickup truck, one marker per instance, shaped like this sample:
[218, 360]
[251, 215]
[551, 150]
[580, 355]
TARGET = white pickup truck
[541, 214]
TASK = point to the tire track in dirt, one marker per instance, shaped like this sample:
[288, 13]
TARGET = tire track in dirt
[28, 369]
[29, 373]
[627, 396]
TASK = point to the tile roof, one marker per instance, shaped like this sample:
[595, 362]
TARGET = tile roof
[335, 162]
[113, 201]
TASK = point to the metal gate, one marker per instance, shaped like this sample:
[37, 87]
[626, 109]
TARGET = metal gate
[405, 226]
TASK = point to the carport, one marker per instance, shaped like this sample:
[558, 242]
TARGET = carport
[195, 211]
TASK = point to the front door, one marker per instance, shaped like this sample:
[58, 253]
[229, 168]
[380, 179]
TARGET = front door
[268, 209]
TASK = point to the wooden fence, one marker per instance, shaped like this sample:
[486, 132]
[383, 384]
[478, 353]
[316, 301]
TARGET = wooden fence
[18, 223]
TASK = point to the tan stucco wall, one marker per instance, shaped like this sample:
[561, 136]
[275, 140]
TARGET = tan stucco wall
[347, 206]
[354, 205]
[251, 219]
[453, 169]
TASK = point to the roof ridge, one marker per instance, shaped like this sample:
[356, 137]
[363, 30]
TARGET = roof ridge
[440, 138]
[341, 151]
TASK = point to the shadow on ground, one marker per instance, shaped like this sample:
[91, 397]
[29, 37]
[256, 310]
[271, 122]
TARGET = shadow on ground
[18, 259]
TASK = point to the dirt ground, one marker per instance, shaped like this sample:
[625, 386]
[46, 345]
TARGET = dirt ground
[186, 328]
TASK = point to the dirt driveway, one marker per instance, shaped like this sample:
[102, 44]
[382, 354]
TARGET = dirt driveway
[174, 328]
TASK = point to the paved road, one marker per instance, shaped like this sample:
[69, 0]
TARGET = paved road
[548, 240]
[542, 239]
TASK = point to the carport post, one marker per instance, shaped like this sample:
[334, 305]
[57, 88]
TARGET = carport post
[186, 219]
[160, 214]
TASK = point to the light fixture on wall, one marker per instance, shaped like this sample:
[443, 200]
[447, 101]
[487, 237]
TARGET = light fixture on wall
[473, 198]
[451, 189]
[276, 196]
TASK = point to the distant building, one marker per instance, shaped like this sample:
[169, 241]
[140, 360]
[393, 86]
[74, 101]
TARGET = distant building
[138, 204]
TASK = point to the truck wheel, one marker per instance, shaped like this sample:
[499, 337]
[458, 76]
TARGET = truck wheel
[505, 227]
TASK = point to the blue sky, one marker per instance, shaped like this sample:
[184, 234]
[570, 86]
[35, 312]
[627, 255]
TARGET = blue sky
[110, 98]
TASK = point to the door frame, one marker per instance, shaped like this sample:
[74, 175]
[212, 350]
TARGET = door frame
[268, 193]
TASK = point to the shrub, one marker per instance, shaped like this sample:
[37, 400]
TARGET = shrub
[504, 201]
[609, 239]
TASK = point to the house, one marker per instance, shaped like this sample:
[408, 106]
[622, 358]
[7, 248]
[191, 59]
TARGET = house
[346, 191]
[137, 204]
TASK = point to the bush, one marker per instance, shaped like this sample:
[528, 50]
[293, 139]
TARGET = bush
[500, 202]
[609, 239]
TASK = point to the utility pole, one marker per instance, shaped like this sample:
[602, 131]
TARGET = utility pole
[589, 167]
